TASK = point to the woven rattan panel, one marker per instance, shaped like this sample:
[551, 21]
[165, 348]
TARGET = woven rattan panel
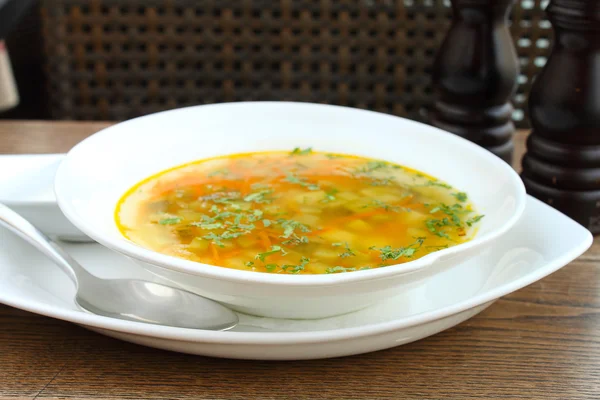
[117, 59]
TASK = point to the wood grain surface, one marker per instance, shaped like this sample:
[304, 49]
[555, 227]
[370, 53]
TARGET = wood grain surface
[542, 342]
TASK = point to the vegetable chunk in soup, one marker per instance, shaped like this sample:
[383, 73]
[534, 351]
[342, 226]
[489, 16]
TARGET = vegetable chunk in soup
[299, 212]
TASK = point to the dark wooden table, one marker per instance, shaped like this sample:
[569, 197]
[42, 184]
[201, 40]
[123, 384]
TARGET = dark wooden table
[542, 342]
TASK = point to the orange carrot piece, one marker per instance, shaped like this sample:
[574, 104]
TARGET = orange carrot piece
[214, 251]
[264, 240]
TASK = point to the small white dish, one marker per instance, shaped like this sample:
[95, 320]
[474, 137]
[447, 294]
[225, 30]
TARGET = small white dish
[30, 282]
[100, 169]
[27, 186]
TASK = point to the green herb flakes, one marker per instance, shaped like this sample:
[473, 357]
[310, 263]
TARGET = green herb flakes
[348, 252]
[170, 221]
[274, 250]
[301, 152]
[474, 220]
[259, 197]
[270, 267]
[388, 253]
[330, 195]
[302, 182]
[294, 269]
[460, 196]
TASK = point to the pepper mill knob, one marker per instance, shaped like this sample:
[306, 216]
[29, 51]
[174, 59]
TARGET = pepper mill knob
[475, 75]
[562, 163]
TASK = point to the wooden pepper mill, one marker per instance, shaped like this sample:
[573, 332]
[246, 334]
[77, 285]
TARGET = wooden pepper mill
[562, 163]
[475, 75]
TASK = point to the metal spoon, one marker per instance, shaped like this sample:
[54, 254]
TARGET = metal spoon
[128, 299]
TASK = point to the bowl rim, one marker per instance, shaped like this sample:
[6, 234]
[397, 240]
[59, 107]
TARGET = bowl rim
[137, 252]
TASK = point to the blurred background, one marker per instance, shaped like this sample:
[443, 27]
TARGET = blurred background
[118, 59]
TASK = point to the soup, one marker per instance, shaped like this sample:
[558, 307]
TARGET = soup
[298, 212]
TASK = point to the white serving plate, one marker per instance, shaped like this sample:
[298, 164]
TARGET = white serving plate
[27, 186]
[100, 169]
[543, 241]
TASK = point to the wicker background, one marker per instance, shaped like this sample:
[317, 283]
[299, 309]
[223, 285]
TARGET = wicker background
[117, 59]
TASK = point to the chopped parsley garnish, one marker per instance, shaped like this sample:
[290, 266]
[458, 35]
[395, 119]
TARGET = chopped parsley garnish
[433, 226]
[270, 267]
[374, 166]
[437, 247]
[259, 197]
[460, 196]
[451, 211]
[333, 270]
[170, 221]
[224, 172]
[388, 253]
[247, 227]
[274, 250]
[249, 264]
[290, 226]
[330, 195]
[383, 181]
[257, 186]
[232, 229]
[347, 253]
[474, 220]
[302, 182]
[216, 225]
[254, 216]
[295, 240]
[381, 204]
[216, 239]
[301, 152]
[266, 222]
[294, 269]
[438, 184]
[338, 269]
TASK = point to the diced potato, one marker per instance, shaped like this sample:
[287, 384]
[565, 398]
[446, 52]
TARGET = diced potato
[390, 198]
[374, 191]
[358, 225]
[310, 198]
[381, 217]
[271, 209]
[316, 268]
[190, 215]
[347, 196]
[310, 210]
[416, 232]
[414, 217]
[360, 205]
[157, 206]
[383, 194]
[236, 262]
[308, 219]
[198, 244]
[246, 241]
[197, 205]
[379, 241]
[324, 253]
[338, 236]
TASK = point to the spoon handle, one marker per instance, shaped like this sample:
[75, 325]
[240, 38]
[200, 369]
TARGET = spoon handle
[23, 228]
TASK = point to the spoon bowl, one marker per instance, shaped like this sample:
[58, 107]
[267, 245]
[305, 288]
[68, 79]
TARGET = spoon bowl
[152, 303]
[128, 299]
